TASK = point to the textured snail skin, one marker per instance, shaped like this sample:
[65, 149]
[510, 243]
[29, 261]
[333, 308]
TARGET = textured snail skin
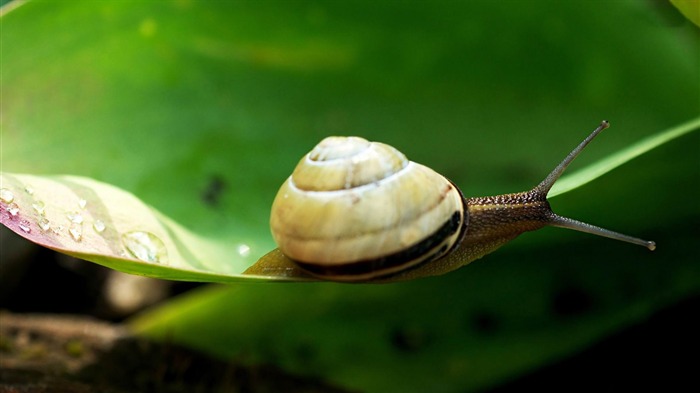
[493, 222]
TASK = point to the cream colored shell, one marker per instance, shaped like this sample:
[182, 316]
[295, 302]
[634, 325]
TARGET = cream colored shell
[352, 207]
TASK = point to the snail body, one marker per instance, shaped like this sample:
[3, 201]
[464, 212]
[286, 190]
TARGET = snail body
[360, 211]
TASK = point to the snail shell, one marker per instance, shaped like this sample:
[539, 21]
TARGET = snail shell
[354, 210]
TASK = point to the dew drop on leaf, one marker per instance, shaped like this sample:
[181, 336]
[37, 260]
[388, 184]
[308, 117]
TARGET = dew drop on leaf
[82, 203]
[25, 226]
[76, 231]
[243, 250]
[29, 190]
[39, 207]
[44, 224]
[13, 209]
[6, 195]
[145, 246]
[75, 217]
[99, 226]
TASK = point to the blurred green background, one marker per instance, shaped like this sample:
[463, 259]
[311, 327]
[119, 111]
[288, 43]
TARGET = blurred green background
[202, 109]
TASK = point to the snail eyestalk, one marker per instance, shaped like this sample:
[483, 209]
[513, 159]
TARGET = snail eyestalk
[563, 222]
[549, 181]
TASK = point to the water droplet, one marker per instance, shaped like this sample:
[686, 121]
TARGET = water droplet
[39, 207]
[145, 246]
[57, 229]
[13, 209]
[76, 231]
[75, 217]
[25, 226]
[29, 190]
[99, 226]
[82, 203]
[44, 224]
[244, 250]
[6, 195]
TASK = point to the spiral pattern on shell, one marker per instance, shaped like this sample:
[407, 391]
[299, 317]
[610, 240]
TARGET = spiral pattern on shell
[355, 210]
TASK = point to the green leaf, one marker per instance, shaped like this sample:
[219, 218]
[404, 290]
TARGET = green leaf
[103, 224]
[465, 331]
[593, 171]
[690, 9]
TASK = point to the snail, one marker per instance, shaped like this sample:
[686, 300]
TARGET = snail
[360, 211]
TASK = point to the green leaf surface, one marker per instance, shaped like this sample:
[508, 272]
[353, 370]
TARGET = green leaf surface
[690, 9]
[101, 223]
[466, 331]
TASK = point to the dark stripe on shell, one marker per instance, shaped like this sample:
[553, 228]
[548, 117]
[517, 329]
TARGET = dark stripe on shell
[410, 256]
[465, 219]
